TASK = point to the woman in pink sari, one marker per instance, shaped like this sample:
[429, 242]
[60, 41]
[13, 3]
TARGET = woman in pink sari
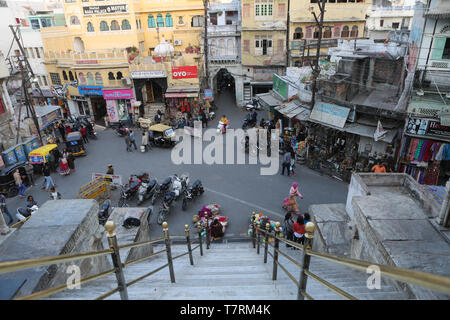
[290, 202]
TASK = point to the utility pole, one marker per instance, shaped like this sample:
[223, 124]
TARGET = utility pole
[205, 42]
[288, 20]
[316, 67]
[27, 75]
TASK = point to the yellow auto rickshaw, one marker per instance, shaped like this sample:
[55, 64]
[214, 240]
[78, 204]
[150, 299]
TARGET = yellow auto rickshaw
[42, 155]
[161, 135]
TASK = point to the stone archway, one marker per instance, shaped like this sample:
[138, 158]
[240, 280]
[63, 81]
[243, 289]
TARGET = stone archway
[78, 45]
[224, 81]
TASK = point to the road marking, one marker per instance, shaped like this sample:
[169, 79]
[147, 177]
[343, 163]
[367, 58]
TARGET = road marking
[254, 206]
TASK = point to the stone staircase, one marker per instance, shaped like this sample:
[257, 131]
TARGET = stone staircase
[230, 271]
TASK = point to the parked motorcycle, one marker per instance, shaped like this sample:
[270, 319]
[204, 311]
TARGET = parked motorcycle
[254, 105]
[161, 189]
[164, 209]
[147, 190]
[180, 184]
[122, 131]
[103, 213]
[248, 122]
[129, 191]
[190, 193]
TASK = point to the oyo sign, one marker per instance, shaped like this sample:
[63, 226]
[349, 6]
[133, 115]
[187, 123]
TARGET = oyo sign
[184, 72]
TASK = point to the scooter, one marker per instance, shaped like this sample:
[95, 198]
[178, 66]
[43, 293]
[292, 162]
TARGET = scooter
[191, 193]
[165, 207]
[103, 213]
[23, 213]
[248, 122]
[254, 105]
[161, 189]
[128, 192]
[222, 127]
[179, 184]
[121, 132]
[147, 190]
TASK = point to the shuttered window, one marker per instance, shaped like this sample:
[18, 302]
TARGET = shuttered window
[438, 48]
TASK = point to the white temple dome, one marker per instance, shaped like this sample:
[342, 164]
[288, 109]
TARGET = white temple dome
[164, 49]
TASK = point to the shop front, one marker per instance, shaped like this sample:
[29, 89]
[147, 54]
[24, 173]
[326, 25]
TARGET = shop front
[183, 99]
[425, 151]
[119, 104]
[79, 106]
[95, 95]
[150, 86]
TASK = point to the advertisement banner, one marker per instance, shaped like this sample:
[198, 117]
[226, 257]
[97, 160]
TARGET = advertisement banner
[148, 74]
[118, 94]
[117, 8]
[184, 72]
[112, 111]
[90, 90]
[330, 114]
[116, 179]
[280, 86]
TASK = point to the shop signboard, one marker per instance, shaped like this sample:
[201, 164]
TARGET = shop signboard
[280, 86]
[20, 153]
[330, 114]
[112, 111]
[149, 74]
[185, 72]
[116, 8]
[425, 127]
[90, 90]
[118, 94]
[208, 94]
[437, 129]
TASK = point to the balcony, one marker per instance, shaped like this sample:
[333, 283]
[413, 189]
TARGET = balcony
[303, 44]
[97, 57]
[225, 59]
[225, 30]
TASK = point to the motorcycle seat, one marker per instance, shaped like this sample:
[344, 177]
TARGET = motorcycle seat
[196, 184]
[152, 184]
[169, 196]
[133, 186]
[166, 182]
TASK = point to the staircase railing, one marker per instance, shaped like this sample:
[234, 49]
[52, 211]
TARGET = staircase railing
[118, 265]
[423, 279]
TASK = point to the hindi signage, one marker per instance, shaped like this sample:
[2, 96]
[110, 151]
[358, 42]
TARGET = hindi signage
[114, 8]
[148, 74]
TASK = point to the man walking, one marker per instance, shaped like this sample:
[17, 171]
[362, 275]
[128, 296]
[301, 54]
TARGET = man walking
[83, 132]
[4, 208]
[29, 169]
[48, 179]
[132, 140]
[286, 162]
[128, 143]
[19, 183]
[144, 142]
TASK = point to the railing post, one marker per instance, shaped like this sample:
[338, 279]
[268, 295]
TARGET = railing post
[199, 228]
[275, 252]
[188, 240]
[115, 256]
[266, 244]
[208, 235]
[258, 237]
[169, 253]
[307, 245]
[253, 229]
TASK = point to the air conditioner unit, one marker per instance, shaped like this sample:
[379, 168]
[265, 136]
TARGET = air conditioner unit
[126, 81]
[177, 42]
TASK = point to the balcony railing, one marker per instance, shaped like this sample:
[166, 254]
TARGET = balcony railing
[303, 44]
[87, 57]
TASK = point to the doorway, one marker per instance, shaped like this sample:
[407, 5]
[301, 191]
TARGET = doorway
[99, 109]
[224, 82]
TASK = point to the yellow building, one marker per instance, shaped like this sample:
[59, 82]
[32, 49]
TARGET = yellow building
[343, 19]
[263, 43]
[101, 40]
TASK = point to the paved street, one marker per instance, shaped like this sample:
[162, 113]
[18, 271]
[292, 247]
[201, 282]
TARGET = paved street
[238, 189]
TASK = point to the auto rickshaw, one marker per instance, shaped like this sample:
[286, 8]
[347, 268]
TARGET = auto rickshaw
[42, 155]
[75, 145]
[7, 183]
[161, 135]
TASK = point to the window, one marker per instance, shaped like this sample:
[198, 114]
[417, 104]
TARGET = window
[263, 45]
[446, 54]
[38, 55]
[115, 25]
[74, 20]
[31, 52]
[104, 26]
[126, 25]
[111, 76]
[230, 47]
[169, 21]
[140, 24]
[246, 11]
[35, 24]
[345, 32]
[381, 22]
[119, 75]
[298, 34]
[263, 8]
[197, 21]
[151, 21]
[56, 80]
[441, 48]
[395, 25]
[90, 78]
[46, 22]
[327, 33]
[64, 75]
[90, 27]
[247, 46]
[45, 80]
[71, 76]
[3, 4]
[40, 80]
[316, 33]
[160, 21]
[98, 78]
[337, 31]
[354, 33]
[308, 33]
[180, 20]
[281, 10]
[82, 78]
[213, 19]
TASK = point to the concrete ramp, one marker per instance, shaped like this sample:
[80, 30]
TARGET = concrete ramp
[59, 227]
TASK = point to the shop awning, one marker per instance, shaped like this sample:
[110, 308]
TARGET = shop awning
[269, 99]
[46, 93]
[291, 109]
[182, 92]
[44, 110]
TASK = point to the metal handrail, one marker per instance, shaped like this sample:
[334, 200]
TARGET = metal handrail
[143, 258]
[423, 279]
[138, 244]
